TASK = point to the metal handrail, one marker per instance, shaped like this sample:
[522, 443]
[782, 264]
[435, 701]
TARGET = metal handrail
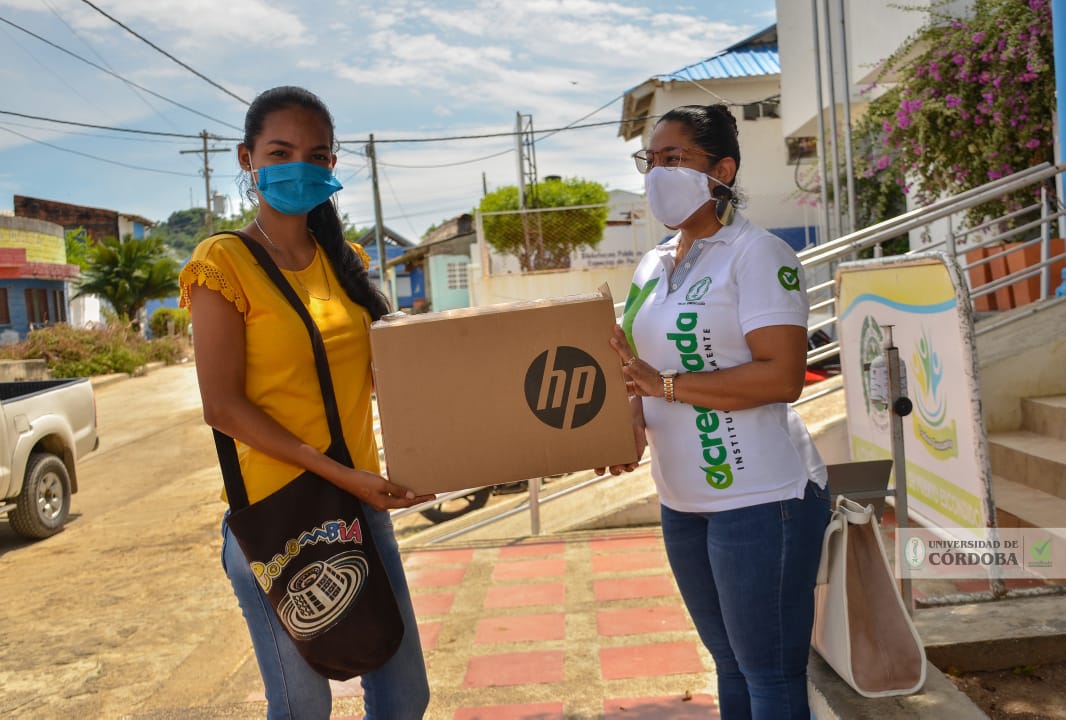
[888, 229]
[846, 247]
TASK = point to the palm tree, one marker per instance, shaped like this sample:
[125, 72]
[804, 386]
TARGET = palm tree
[127, 274]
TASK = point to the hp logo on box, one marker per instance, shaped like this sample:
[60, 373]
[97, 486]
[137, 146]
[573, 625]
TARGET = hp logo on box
[565, 387]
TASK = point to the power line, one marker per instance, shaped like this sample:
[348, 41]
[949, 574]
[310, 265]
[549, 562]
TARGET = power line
[403, 213]
[102, 59]
[155, 47]
[206, 151]
[546, 133]
[94, 157]
[101, 127]
[450, 164]
[508, 133]
[116, 75]
[585, 117]
[62, 80]
[88, 134]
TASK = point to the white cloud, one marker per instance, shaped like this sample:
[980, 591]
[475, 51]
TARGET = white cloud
[197, 24]
[547, 56]
[406, 68]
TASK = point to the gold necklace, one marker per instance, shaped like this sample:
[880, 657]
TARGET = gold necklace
[321, 262]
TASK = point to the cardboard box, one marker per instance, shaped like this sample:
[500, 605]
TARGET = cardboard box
[497, 394]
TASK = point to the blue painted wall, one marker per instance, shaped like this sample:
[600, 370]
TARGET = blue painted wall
[410, 286]
[16, 302]
[798, 237]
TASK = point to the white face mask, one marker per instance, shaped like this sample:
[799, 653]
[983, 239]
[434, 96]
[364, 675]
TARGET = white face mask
[675, 193]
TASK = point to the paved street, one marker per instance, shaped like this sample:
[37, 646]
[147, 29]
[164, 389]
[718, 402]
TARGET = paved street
[126, 614]
[126, 608]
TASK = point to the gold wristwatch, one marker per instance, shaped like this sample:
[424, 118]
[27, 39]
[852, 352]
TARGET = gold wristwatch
[668, 384]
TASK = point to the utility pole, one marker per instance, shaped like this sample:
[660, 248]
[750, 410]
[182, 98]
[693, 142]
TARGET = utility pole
[208, 217]
[527, 189]
[527, 161]
[379, 233]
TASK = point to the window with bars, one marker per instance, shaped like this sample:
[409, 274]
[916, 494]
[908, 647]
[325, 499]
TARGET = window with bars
[457, 276]
[59, 305]
[37, 306]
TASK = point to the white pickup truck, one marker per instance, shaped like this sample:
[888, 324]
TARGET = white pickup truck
[46, 426]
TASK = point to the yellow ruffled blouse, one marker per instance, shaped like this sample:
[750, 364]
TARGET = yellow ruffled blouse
[280, 367]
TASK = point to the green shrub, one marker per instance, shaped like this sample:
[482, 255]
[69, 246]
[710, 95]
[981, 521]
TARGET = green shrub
[83, 352]
[161, 317]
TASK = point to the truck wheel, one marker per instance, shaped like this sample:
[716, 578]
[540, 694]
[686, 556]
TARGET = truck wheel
[43, 504]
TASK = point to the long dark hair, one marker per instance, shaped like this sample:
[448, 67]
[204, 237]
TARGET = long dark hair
[714, 130]
[323, 220]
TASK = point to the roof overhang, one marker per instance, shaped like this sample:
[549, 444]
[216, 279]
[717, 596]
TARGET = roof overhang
[636, 108]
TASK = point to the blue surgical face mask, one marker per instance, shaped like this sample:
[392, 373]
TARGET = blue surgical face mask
[295, 188]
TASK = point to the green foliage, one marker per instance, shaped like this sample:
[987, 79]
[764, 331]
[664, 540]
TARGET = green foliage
[352, 233]
[430, 229]
[544, 240]
[973, 103]
[162, 317]
[128, 274]
[76, 250]
[236, 222]
[82, 352]
[182, 231]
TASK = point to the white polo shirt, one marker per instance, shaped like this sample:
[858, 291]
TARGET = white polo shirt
[710, 459]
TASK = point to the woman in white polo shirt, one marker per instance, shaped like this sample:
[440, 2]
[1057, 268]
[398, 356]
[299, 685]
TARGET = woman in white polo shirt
[713, 343]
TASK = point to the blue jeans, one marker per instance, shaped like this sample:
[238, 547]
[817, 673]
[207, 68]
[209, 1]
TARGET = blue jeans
[747, 578]
[398, 690]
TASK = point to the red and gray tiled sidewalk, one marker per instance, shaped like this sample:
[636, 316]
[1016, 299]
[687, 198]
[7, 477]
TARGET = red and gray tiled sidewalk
[586, 625]
[583, 626]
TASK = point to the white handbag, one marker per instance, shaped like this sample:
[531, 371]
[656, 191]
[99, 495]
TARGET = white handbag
[861, 627]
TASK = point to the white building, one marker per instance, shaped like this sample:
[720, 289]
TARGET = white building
[836, 57]
[748, 77]
[496, 277]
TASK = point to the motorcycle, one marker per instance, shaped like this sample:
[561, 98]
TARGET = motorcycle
[473, 500]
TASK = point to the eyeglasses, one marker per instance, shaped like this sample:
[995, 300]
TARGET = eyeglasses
[669, 157]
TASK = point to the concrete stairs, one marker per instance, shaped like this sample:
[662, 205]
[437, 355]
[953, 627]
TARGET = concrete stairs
[1029, 466]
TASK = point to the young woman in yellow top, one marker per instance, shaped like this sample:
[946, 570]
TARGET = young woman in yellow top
[259, 384]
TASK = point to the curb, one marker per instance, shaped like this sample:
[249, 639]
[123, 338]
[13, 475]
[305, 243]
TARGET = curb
[99, 381]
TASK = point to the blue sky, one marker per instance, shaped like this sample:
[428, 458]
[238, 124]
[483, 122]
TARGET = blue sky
[400, 69]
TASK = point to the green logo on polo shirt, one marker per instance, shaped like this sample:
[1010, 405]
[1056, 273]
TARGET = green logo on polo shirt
[789, 277]
[697, 291]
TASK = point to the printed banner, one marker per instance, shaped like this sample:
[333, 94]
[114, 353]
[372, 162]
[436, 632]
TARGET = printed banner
[921, 297]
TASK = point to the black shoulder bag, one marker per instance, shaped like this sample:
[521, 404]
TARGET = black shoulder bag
[309, 545]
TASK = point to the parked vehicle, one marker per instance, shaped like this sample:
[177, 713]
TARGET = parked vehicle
[46, 426]
[451, 509]
[474, 500]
